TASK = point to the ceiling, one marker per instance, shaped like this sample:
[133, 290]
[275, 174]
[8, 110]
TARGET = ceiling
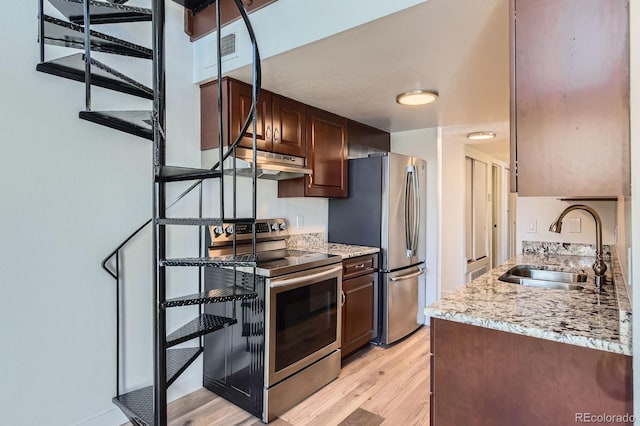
[459, 48]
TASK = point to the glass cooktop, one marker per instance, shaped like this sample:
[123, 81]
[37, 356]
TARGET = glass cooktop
[289, 261]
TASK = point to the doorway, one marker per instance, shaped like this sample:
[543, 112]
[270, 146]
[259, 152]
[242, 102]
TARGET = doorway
[496, 203]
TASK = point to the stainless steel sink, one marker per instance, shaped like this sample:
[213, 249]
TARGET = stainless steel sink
[534, 276]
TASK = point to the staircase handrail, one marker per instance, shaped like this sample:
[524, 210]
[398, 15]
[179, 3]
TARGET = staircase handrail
[245, 127]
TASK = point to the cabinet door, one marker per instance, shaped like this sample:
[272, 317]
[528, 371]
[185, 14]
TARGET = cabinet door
[240, 98]
[209, 129]
[571, 97]
[326, 154]
[288, 127]
[357, 313]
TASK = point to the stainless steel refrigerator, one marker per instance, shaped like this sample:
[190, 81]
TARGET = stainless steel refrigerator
[386, 208]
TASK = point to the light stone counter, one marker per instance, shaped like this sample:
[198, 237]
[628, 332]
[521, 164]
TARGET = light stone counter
[584, 318]
[315, 242]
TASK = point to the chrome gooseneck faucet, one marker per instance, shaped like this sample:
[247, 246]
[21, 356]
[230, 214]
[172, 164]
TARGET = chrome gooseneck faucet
[599, 267]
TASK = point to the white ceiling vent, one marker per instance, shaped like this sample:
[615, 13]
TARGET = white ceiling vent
[229, 50]
[228, 44]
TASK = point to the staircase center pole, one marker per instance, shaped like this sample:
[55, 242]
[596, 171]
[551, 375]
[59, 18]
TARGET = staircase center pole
[41, 34]
[159, 207]
[87, 55]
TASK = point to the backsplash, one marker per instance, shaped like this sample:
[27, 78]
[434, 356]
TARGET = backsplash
[306, 241]
[565, 249]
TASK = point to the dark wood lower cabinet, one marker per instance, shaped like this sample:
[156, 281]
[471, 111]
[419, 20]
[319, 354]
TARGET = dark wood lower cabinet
[357, 313]
[483, 377]
[360, 282]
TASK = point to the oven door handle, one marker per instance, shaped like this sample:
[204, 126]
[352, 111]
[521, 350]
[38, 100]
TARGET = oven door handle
[305, 278]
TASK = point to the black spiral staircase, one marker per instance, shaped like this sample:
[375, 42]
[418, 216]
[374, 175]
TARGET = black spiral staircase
[148, 405]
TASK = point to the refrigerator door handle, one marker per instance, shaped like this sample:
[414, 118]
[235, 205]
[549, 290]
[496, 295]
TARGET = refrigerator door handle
[416, 207]
[408, 276]
[408, 228]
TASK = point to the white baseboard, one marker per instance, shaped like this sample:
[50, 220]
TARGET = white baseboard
[108, 418]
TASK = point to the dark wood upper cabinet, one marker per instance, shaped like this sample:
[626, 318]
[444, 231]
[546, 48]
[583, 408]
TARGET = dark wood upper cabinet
[327, 156]
[570, 97]
[363, 135]
[241, 99]
[204, 22]
[280, 121]
[288, 126]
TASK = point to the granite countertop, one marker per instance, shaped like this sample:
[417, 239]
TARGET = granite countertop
[345, 250]
[584, 318]
[315, 242]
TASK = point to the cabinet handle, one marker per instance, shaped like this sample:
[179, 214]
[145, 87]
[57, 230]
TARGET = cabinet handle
[276, 134]
[247, 2]
[344, 298]
[310, 180]
[269, 133]
[360, 266]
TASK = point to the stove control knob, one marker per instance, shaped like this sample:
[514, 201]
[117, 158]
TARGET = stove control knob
[218, 231]
[274, 227]
[283, 226]
[229, 229]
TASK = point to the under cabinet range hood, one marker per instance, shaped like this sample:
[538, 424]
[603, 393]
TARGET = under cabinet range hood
[270, 165]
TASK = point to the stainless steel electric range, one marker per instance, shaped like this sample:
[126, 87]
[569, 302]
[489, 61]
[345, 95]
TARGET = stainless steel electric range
[287, 343]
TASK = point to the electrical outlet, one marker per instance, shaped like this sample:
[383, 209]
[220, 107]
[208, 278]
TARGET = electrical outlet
[299, 222]
[574, 225]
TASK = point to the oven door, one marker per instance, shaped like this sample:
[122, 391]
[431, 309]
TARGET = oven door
[304, 317]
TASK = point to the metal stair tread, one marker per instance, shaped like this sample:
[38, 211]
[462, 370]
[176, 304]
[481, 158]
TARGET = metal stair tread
[137, 123]
[176, 174]
[220, 295]
[101, 12]
[73, 67]
[202, 221]
[68, 34]
[238, 260]
[137, 405]
[195, 6]
[178, 360]
[201, 325]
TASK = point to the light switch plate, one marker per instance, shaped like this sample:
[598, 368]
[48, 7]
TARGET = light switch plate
[574, 225]
[532, 226]
[299, 222]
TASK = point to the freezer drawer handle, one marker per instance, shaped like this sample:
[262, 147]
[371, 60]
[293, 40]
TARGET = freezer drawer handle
[408, 276]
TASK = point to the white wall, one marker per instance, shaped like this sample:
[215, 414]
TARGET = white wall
[540, 212]
[451, 153]
[314, 211]
[623, 243]
[288, 24]
[634, 32]
[71, 191]
[423, 144]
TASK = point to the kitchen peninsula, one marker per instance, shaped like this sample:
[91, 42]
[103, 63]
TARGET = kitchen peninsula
[505, 354]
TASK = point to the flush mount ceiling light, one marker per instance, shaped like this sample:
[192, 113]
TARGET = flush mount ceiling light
[481, 136]
[417, 97]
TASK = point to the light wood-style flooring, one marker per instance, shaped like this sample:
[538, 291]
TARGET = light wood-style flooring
[376, 387]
